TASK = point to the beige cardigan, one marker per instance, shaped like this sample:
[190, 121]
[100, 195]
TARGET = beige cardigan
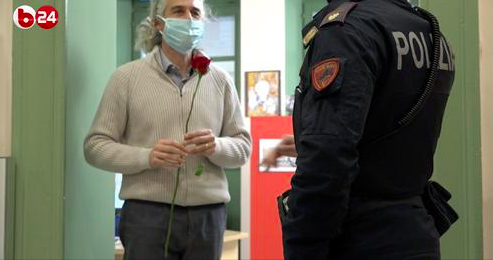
[141, 105]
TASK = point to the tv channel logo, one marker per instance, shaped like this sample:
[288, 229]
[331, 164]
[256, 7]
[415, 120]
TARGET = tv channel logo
[25, 17]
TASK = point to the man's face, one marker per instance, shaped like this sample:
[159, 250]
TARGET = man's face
[183, 9]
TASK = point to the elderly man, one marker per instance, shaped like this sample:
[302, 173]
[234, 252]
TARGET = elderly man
[139, 131]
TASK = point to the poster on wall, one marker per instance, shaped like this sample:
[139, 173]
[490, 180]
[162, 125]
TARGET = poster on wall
[263, 93]
[284, 163]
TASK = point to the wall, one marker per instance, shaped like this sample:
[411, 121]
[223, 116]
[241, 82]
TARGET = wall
[91, 58]
[5, 106]
[294, 45]
[124, 31]
[486, 81]
[35, 209]
[263, 38]
[458, 156]
[5, 76]
[262, 48]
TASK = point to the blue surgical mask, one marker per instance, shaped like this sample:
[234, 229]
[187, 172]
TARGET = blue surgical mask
[182, 35]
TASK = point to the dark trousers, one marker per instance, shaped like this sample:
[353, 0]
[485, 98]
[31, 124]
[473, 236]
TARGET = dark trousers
[395, 230]
[197, 232]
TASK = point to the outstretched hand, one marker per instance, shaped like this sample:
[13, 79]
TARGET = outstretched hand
[285, 148]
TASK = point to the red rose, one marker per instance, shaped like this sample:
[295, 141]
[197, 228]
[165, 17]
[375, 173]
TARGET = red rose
[200, 62]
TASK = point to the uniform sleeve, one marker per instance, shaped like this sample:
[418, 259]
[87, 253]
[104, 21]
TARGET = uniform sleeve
[332, 126]
[233, 146]
[103, 147]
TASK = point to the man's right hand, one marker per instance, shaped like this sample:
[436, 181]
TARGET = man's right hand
[169, 153]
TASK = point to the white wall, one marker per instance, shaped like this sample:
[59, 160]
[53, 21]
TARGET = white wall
[486, 81]
[262, 48]
[263, 39]
[5, 75]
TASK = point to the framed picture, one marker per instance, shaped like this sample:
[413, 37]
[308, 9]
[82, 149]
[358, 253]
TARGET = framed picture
[284, 163]
[262, 95]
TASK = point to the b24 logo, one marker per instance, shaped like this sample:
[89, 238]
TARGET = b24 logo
[25, 17]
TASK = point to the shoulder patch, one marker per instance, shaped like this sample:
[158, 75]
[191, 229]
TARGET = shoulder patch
[339, 14]
[324, 73]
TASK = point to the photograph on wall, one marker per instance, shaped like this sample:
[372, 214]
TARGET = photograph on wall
[263, 93]
[284, 163]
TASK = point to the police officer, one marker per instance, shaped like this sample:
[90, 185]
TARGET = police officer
[374, 85]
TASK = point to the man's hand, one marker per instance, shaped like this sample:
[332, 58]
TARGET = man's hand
[203, 142]
[168, 153]
[285, 148]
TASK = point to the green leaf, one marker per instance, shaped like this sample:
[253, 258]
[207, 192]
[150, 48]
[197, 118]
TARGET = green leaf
[199, 170]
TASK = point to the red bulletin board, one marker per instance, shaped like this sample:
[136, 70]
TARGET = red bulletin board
[265, 226]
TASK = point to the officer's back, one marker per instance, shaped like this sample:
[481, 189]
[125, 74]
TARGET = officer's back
[400, 165]
[364, 158]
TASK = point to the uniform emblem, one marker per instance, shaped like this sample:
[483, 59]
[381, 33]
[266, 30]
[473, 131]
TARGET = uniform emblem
[309, 36]
[338, 15]
[324, 73]
[334, 16]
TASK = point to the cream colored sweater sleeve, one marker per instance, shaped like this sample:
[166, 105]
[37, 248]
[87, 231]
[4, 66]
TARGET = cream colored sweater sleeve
[233, 146]
[103, 146]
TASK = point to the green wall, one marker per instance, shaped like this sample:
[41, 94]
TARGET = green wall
[36, 174]
[91, 58]
[294, 45]
[124, 34]
[140, 10]
[458, 158]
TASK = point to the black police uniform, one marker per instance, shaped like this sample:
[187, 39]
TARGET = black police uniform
[356, 195]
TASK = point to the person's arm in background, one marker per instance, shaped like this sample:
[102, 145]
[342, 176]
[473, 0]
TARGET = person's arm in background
[327, 161]
[284, 148]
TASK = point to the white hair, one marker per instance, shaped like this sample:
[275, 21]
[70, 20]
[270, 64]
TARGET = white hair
[147, 34]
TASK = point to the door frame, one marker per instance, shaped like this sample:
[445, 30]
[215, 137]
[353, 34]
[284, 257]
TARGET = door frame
[486, 91]
[5, 110]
